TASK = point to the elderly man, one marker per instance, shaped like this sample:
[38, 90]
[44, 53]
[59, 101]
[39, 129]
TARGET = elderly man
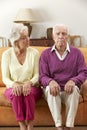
[62, 72]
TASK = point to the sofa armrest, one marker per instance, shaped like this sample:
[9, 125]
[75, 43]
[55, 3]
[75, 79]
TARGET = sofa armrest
[84, 90]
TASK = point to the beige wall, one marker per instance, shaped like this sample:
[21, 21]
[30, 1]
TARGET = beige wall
[48, 13]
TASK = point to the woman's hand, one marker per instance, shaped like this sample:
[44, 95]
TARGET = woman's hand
[54, 88]
[26, 88]
[17, 89]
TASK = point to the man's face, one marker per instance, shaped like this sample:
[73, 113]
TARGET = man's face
[60, 36]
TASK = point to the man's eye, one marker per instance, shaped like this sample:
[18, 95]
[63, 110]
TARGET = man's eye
[58, 33]
[64, 33]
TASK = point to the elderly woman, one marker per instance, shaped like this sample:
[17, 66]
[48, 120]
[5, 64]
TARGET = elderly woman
[20, 73]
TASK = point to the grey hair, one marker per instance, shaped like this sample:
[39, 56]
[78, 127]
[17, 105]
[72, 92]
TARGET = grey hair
[60, 25]
[16, 32]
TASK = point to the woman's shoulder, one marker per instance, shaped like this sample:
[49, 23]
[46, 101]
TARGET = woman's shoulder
[8, 51]
[6, 55]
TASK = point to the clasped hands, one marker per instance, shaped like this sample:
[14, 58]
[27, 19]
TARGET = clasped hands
[19, 88]
[55, 87]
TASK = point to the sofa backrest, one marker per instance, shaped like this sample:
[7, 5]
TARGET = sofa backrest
[4, 42]
[84, 52]
[2, 49]
[40, 49]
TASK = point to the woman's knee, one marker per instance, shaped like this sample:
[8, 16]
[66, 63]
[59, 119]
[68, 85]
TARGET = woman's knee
[37, 93]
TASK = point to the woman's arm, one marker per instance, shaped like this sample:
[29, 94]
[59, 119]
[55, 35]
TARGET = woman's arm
[6, 77]
[35, 76]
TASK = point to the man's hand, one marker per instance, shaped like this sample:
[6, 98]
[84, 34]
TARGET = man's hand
[54, 88]
[69, 86]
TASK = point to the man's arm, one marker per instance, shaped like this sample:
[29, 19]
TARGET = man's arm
[81, 71]
[44, 70]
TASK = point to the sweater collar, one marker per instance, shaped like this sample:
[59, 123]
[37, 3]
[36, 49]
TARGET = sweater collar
[67, 48]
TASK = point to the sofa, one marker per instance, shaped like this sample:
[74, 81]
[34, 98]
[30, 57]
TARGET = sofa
[42, 114]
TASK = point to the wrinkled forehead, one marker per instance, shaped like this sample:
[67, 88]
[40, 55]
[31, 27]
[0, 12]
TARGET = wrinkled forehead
[60, 28]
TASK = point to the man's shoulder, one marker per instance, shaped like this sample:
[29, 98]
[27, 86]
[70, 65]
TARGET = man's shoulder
[48, 50]
[75, 49]
[76, 52]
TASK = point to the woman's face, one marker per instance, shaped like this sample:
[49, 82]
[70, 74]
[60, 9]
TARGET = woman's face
[23, 41]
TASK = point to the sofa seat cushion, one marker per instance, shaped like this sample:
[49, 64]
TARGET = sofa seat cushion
[84, 90]
[42, 102]
[80, 99]
[3, 100]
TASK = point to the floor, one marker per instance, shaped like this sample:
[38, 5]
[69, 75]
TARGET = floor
[42, 128]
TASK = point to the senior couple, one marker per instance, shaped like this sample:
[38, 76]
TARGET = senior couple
[61, 70]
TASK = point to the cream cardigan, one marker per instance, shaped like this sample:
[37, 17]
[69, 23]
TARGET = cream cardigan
[13, 71]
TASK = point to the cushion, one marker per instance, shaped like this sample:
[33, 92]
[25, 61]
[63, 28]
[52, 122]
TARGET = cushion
[3, 100]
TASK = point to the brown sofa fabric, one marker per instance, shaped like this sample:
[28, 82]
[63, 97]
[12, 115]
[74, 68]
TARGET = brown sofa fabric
[42, 113]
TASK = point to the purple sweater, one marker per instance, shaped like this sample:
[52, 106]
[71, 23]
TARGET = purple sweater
[73, 67]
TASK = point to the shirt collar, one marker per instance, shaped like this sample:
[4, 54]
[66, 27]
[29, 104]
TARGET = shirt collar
[67, 48]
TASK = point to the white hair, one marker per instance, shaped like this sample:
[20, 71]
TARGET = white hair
[60, 25]
[16, 32]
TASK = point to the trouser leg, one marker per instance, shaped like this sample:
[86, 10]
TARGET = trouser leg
[71, 102]
[30, 100]
[24, 106]
[17, 104]
[54, 103]
[37, 93]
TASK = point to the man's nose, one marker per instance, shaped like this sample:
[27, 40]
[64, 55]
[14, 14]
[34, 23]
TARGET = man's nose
[60, 35]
